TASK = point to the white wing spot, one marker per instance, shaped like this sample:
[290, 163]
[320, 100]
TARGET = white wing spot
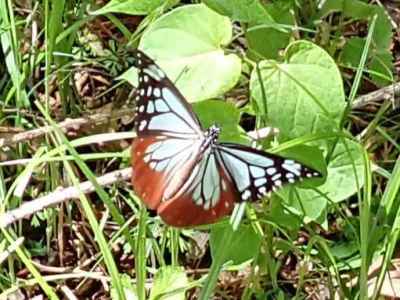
[149, 91]
[278, 182]
[142, 125]
[291, 166]
[276, 176]
[291, 180]
[262, 190]
[142, 92]
[141, 108]
[246, 195]
[150, 107]
[289, 175]
[223, 185]
[157, 92]
[146, 78]
[271, 171]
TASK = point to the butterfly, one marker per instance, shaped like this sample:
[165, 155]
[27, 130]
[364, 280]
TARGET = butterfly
[181, 170]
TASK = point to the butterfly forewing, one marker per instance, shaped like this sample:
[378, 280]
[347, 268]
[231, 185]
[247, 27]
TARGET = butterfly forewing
[256, 173]
[160, 107]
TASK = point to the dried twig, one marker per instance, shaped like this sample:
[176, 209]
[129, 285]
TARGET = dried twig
[69, 125]
[390, 92]
[61, 195]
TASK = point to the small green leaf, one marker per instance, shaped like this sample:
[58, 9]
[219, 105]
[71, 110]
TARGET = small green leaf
[280, 216]
[190, 51]
[277, 36]
[224, 115]
[133, 7]
[303, 95]
[380, 57]
[244, 246]
[170, 283]
[341, 183]
[129, 288]
[382, 65]
[241, 10]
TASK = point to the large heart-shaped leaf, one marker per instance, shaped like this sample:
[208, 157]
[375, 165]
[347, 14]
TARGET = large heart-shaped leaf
[303, 95]
[345, 174]
[187, 44]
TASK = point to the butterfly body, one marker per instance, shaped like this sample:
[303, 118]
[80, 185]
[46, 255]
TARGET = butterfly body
[184, 172]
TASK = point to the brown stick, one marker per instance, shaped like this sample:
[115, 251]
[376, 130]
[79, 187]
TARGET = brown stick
[390, 92]
[68, 125]
[61, 195]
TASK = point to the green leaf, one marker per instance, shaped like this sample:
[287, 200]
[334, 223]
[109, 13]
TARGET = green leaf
[352, 50]
[341, 183]
[380, 57]
[187, 44]
[224, 115]
[244, 245]
[344, 250]
[382, 64]
[169, 283]
[304, 94]
[280, 216]
[359, 10]
[241, 10]
[133, 7]
[277, 36]
[129, 288]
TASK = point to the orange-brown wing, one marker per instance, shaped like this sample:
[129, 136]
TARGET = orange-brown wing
[182, 211]
[207, 195]
[161, 167]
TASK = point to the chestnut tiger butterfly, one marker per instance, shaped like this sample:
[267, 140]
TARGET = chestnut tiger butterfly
[182, 171]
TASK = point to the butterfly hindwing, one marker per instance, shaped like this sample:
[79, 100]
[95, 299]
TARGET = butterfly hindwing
[257, 173]
[208, 195]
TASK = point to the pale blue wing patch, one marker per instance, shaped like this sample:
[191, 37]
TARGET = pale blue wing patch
[256, 173]
[206, 184]
[168, 155]
[178, 108]
[168, 122]
[160, 104]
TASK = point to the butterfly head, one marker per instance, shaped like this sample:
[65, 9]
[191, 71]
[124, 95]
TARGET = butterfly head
[213, 132]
